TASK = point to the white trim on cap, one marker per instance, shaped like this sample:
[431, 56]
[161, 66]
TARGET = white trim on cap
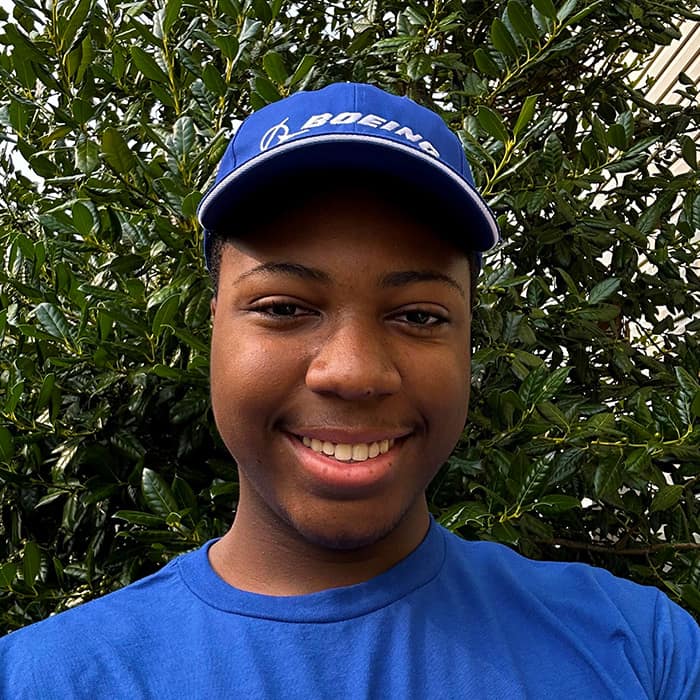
[330, 138]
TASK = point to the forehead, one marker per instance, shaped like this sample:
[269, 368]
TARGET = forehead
[359, 227]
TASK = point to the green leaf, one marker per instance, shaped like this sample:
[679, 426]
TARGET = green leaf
[116, 151]
[45, 393]
[526, 113]
[419, 66]
[534, 481]
[626, 121]
[502, 39]
[666, 498]
[695, 406]
[601, 312]
[274, 67]
[531, 388]
[31, 562]
[575, 19]
[7, 444]
[608, 477]
[138, 518]
[599, 132]
[52, 320]
[553, 154]
[521, 19]
[147, 65]
[506, 533]
[14, 394]
[553, 414]
[213, 80]
[555, 381]
[617, 136]
[75, 23]
[128, 444]
[637, 460]
[566, 9]
[556, 503]
[183, 137]
[251, 30]
[190, 203]
[266, 90]
[603, 290]
[492, 124]
[86, 156]
[302, 70]
[262, 10]
[689, 151]
[546, 7]
[466, 513]
[361, 41]
[165, 313]
[82, 110]
[82, 219]
[228, 44]
[8, 574]
[172, 12]
[688, 384]
[157, 494]
[691, 595]
[486, 64]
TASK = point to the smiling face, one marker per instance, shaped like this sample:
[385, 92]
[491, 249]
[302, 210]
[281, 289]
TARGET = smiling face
[340, 368]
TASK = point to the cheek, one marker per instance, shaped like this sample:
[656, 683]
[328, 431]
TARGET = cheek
[250, 379]
[450, 390]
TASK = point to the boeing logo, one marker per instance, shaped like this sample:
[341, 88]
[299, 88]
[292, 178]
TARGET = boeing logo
[281, 132]
[278, 134]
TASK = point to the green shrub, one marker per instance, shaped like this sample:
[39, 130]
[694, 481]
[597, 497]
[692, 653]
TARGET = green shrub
[584, 433]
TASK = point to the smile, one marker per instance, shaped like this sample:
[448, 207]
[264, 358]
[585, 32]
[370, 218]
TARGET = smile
[344, 452]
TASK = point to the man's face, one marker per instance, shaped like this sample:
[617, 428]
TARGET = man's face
[340, 367]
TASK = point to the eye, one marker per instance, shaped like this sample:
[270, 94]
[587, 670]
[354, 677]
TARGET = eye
[421, 318]
[281, 309]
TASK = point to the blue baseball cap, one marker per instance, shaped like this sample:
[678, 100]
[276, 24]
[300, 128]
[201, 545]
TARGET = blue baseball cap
[349, 126]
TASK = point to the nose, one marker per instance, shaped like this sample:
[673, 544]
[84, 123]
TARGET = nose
[354, 362]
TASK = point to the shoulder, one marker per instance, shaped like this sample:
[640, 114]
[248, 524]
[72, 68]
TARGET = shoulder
[553, 584]
[583, 605]
[58, 647]
[508, 568]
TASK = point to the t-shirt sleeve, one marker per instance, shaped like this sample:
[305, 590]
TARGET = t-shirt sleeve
[676, 652]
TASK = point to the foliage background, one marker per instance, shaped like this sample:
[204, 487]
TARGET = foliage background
[583, 442]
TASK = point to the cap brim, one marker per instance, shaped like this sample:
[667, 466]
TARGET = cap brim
[443, 187]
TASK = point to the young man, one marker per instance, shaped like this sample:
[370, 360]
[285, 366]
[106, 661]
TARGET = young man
[340, 382]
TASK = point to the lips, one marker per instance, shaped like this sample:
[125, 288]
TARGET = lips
[351, 466]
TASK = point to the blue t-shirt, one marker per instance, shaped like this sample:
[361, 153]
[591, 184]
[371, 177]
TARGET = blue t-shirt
[455, 619]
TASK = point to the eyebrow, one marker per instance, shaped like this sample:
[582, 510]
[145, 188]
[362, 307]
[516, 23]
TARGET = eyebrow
[406, 277]
[288, 269]
[400, 278]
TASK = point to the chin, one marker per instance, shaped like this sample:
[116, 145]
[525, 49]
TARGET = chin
[344, 538]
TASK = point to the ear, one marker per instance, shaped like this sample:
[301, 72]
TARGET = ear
[212, 306]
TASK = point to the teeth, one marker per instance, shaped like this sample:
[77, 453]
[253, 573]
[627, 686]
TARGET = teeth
[344, 452]
[360, 452]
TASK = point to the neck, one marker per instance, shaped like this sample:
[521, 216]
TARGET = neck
[272, 558]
